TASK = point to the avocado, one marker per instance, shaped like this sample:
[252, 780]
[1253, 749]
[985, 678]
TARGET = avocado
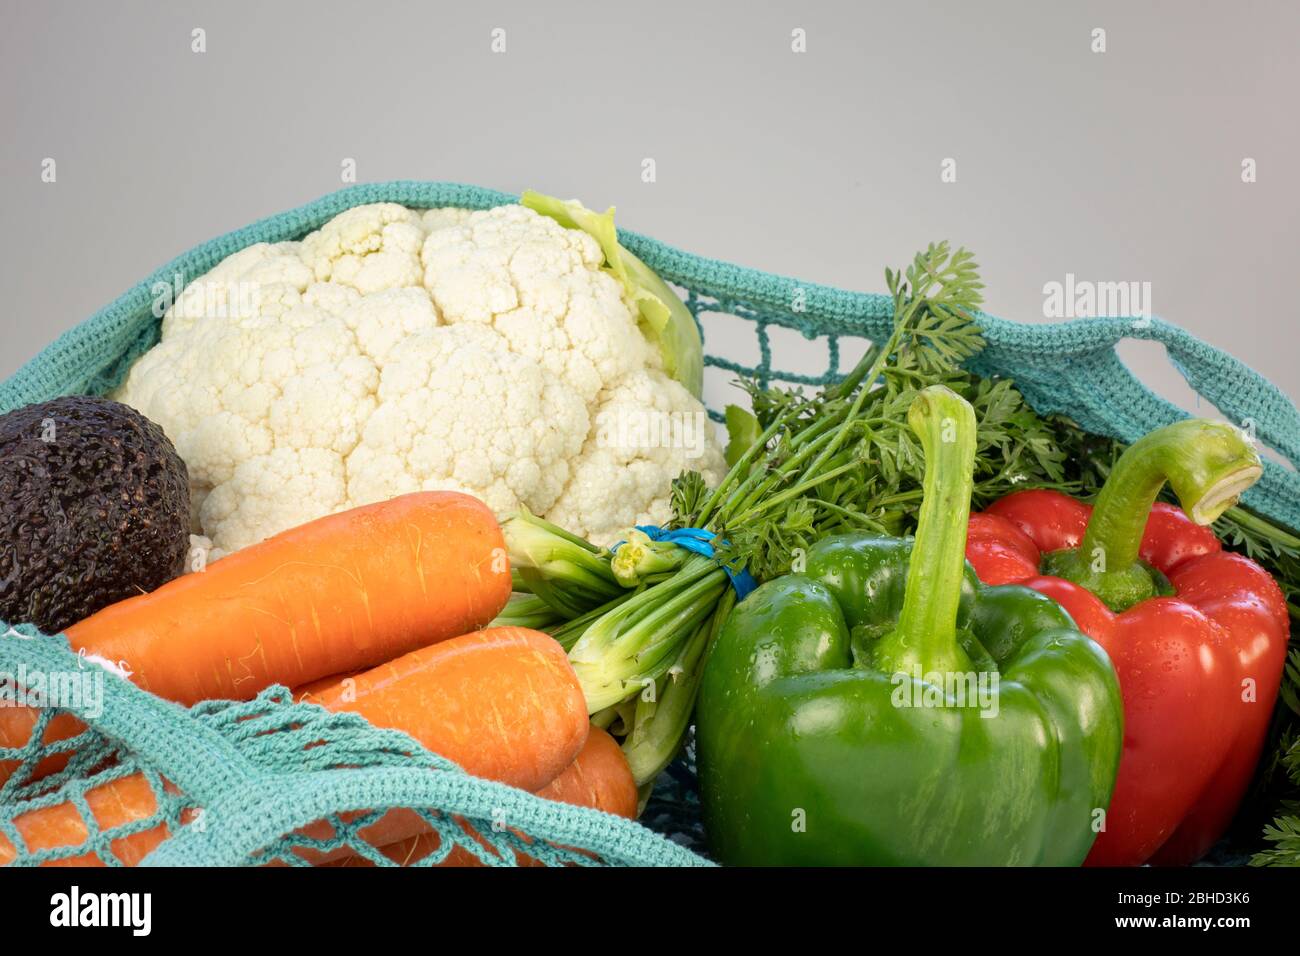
[94, 508]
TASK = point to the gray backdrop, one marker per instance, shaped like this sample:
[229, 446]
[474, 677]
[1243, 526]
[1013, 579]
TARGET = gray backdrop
[1124, 165]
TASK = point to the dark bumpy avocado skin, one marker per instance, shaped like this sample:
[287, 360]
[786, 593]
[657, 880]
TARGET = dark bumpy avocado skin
[94, 508]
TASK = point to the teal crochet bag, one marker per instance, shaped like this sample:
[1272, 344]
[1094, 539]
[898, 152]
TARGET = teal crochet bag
[270, 781]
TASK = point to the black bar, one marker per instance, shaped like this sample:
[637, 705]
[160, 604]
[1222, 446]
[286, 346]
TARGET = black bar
[194, 906]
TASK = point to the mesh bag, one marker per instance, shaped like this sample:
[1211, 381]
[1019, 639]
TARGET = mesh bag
[268, 781]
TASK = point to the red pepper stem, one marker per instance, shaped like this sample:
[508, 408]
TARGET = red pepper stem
[926, 635]
[1208, 464]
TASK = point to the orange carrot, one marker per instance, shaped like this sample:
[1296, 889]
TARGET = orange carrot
[411, 850]
[346, 591]
[308, 690]
[502, 703]
[114, 804]
[17, 723]
[599, 777]
[403, 837]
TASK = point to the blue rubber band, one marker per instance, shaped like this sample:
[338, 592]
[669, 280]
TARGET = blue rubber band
[700, 542]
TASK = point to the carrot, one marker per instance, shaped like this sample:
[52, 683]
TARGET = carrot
[502, 703]
[113, 804]
[19, 722]
[403, 837]
[346, 591]
[309, 690]
[411, 850]
[599, 777]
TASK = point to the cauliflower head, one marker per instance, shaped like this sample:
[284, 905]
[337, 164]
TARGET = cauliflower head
[393, 351]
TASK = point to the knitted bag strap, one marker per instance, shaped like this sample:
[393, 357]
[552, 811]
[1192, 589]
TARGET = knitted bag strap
[259, 813]
[1068, 367]
[1073, 368]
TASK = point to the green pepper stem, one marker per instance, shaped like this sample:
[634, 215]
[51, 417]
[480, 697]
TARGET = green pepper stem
[926, 635]
[1208, 464]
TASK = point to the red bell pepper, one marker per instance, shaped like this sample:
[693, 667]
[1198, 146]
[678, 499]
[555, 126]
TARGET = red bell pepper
[1198, 636]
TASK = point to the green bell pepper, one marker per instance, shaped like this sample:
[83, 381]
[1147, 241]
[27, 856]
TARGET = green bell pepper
[882, 707]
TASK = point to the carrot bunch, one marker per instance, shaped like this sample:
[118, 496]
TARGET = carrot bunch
[390, 595]
[344, 592]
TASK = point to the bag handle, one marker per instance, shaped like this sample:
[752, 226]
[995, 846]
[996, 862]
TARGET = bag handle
[1048, 361]
[1073, 368]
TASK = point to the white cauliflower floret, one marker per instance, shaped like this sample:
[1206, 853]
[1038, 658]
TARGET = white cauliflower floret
[646, 426]
[435, 219]
[288, 487]
[331, 298]
[382, 320]
[260, 281]
[393, 351]
[368, 247]
[540, 286]
[459, 409]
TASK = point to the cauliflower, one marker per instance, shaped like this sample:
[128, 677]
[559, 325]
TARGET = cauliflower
[394, 350]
